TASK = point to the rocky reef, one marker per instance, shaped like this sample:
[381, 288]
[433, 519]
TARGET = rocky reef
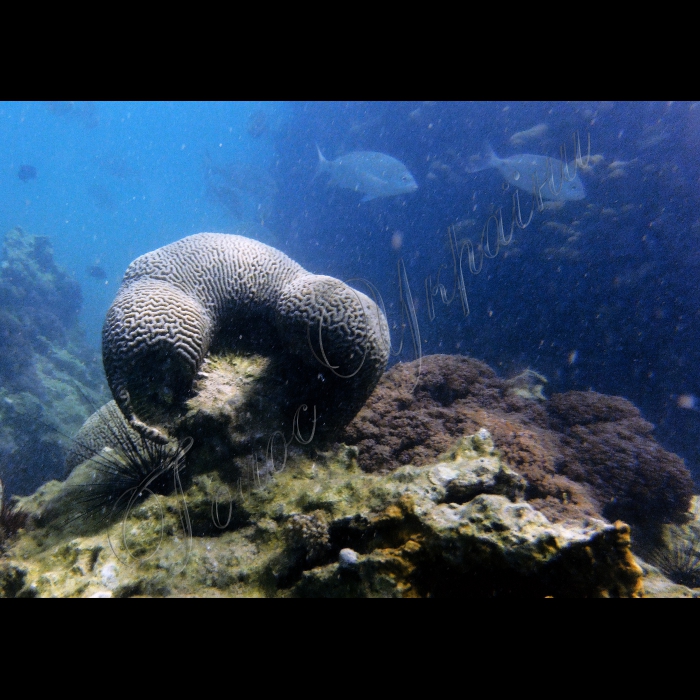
[50, 380]
[323, 527]
[583, 454]
[451, 482]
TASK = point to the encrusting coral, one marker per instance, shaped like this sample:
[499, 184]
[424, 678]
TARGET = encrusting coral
[214, 290]
[609, 446]
[583, 454]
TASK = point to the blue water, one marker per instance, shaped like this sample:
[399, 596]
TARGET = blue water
[115, 180]
[600, 293]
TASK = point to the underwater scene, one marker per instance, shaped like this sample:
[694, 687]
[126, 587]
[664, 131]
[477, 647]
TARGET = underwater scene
[349, 349]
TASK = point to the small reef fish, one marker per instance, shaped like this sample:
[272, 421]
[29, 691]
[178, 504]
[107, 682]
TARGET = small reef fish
[559, 227]
[117, 166]
[374, 174]
[616, 174]
[26, 172]
[590, 162]
[528, 171]
[97, 271]
[687, 401]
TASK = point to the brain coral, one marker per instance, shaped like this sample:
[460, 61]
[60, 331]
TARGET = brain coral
[215, 290]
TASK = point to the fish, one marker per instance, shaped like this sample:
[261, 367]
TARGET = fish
[519, 138]
[257, 124]
[97, 271]
[102, 197]
[228, 197]
[26, 172]
[688, 401]
[527, 171]
[83, 112]
[590, 162]
[616, 164]
[372, 173]
[616, 174]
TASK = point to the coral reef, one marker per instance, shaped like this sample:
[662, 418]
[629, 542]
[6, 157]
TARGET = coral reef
[323, 527]
[583, 454]
[459, 484]
[38, 306]
[241, 417]
[223, 291]
[608, 445]
[483, 512]
[49, 379]
[12, 518]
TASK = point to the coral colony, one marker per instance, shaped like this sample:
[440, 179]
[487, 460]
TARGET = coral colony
[256, 446]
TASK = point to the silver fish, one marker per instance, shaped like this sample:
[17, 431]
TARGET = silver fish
[374, 174]
[519, 138]
[528, 172]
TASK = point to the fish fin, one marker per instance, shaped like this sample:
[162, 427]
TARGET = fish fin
[322, 164]
[484, 160]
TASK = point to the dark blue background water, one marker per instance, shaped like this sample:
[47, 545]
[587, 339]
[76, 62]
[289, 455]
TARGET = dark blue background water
[601, 293]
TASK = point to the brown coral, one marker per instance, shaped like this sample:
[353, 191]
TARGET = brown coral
[609, 446]
[583, 454]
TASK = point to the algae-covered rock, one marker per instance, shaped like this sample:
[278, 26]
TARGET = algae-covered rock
[528, 385]
[319, 526]
[241, 417]
[49, 380]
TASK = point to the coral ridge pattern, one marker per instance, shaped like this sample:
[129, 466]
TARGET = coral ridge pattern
[210, 289]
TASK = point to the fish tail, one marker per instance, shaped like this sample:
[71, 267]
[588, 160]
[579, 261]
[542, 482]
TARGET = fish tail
[484, 160]
[489, 154]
